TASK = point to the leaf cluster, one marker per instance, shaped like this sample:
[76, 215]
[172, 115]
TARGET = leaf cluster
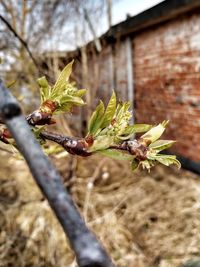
[110, 126]
[64, 93]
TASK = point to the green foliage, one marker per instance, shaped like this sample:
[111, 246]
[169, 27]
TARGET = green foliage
[155, 133]
[116, 154]
[160, 145]
[110, 111]
[167, 160]
[96, 119]
[157, 146]
[64, 93]
[111, 126]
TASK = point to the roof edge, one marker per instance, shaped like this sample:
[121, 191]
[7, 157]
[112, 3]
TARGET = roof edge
[159, 13]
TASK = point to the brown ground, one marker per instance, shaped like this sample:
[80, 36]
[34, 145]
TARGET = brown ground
[143, 219]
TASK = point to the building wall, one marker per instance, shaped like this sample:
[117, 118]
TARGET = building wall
[107, 71]
[167, 81]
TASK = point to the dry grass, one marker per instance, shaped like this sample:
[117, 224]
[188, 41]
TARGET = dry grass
[142, 219]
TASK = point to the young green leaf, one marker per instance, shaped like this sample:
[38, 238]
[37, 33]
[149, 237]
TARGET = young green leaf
[64, 94]
[45, 88]
[101, 143]
[137, 128]
[160, 145]
[96, 119]
[168, 160]
[132, 129]
[80, 92]
[122, 111]
[110, 111]
[60, 84]
[72, 99]
[154, 134]
[116, 154]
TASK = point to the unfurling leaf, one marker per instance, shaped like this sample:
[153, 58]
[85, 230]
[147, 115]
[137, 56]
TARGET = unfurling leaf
[96, 119]
[63, 94]
[155, 133]
[110, 111]
[62, 79]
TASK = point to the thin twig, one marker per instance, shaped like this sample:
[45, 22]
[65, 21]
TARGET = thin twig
[6, 22]
[87, 248]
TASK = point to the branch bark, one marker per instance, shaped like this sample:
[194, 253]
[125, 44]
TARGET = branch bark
[88, 250]
[79, 146]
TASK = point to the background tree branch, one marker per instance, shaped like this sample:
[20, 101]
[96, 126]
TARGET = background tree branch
[9, 26]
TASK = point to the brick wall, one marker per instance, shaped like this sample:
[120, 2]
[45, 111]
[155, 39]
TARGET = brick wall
[167, 80]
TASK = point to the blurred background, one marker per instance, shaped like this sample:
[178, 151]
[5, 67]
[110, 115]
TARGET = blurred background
[149, 52]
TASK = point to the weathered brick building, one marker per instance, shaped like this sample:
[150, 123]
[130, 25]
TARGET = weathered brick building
[153, 60]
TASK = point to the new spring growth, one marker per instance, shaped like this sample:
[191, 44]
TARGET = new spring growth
[109, 130]
[56, 99]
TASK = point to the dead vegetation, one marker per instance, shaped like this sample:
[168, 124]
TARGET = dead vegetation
[142, 219]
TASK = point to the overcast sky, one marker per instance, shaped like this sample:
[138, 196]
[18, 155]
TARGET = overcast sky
[120, 9]
[132, 7]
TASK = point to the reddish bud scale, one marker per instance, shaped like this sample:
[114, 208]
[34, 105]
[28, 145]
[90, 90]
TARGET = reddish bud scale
[3, 137]
[48, 106]
[6, 133]
[113, 122]
[89, 140]
[43, 115]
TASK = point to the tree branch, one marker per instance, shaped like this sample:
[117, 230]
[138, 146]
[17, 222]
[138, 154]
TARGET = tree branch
[76, 146]
[87, 248]
[79, 146]
[9, 26]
